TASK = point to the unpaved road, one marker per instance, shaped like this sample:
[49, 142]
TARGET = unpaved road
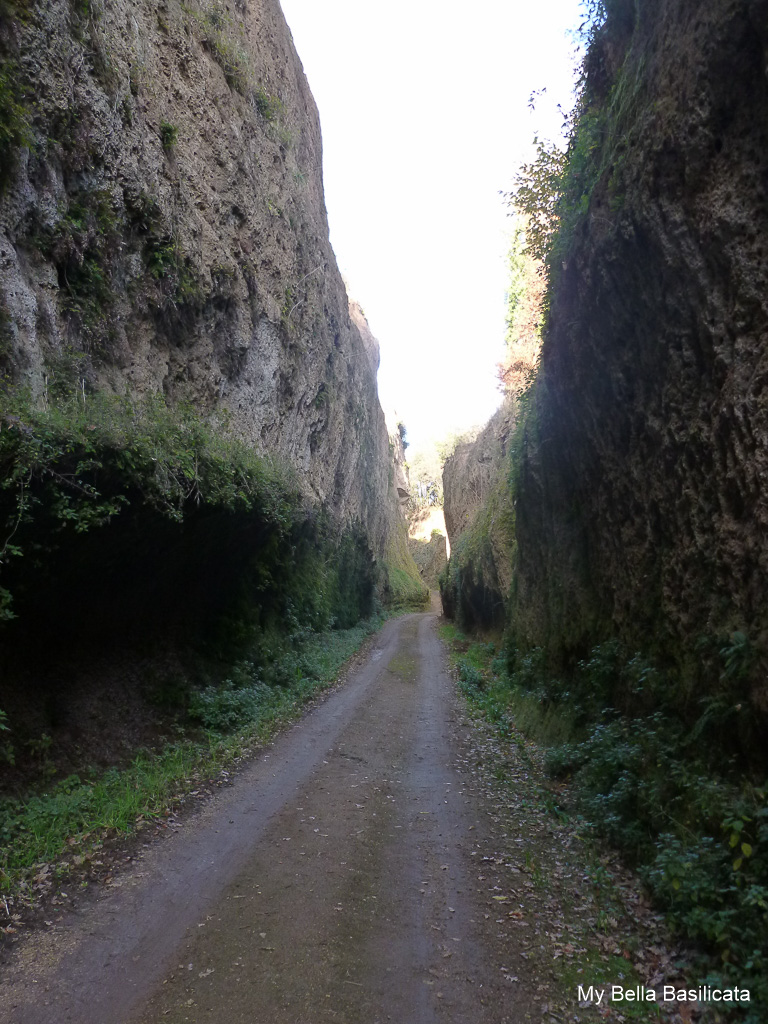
[332, 882]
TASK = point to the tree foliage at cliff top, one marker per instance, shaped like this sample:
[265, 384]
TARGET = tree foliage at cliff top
[552, 191]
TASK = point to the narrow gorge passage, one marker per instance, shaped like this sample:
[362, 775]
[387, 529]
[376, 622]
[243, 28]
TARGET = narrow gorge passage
[332, 882]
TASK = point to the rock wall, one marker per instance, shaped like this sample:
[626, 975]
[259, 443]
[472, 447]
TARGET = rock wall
[400, 475]
[471, 472]
[641, 504]
[163, 230]
[478, 519]
[427, 542]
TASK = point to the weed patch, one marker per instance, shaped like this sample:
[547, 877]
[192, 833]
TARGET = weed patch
[84, 246]
[678, 811]
[590, 931]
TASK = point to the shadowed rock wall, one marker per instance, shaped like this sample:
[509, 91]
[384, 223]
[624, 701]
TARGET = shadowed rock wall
[641, 501]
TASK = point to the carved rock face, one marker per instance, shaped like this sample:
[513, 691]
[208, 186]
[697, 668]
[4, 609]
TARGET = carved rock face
[642, 506]
[167, 233]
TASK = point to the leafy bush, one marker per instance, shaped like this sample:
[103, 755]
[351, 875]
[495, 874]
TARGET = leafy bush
[701, 839]
[553, 192]
[169, 134]
[225, 707]
[211, 538]
[715, 891]
[673, 805]
[470, 677]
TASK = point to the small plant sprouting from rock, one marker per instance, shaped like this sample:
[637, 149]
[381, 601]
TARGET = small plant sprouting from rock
[169, 135]
[226, 51]
[221, 37]
[270, 107]
[85, 246]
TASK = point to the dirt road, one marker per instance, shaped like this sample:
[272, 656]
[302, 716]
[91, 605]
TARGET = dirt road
[335, 881]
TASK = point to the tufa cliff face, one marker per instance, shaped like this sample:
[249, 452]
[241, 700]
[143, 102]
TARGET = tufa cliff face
[427, 542]
[641, 505]
[163, 231]
[478, 520]
[470, 473]
[401, 478]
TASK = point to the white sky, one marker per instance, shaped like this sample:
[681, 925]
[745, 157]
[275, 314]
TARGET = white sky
[424, 112]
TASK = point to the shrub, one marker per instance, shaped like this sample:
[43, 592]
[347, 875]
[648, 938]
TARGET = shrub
[169, 134]
[701, 840]
[715, 891]
[470, 677]
[224, 708]
[209, 536]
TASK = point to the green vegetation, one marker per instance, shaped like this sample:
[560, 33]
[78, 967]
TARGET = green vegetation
[525, 314]
[176, 284]
[167, 484]
[425, 467]
[77, 813]
[429, 557]
[537, 196]
[474, 585]
[173, 271]
[218, 554]
[84, 245]
[656, 788]
[232, 60]
[425, 473]
[403, 587]
[6, 337]
[86, 8]
[15, 131]
[553, 192]
[270, 107]
[169, 135]
[518, 785]
[225, 40]
[404, 590]
[471, 587]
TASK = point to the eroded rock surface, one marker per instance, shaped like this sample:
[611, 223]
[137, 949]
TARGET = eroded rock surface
[478, 520]
[164, 231]
[642, 507]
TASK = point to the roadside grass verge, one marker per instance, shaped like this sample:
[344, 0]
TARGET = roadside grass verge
[697, 840]
[481, 672]
[592, 936]
[575, 894]
[77, 814]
